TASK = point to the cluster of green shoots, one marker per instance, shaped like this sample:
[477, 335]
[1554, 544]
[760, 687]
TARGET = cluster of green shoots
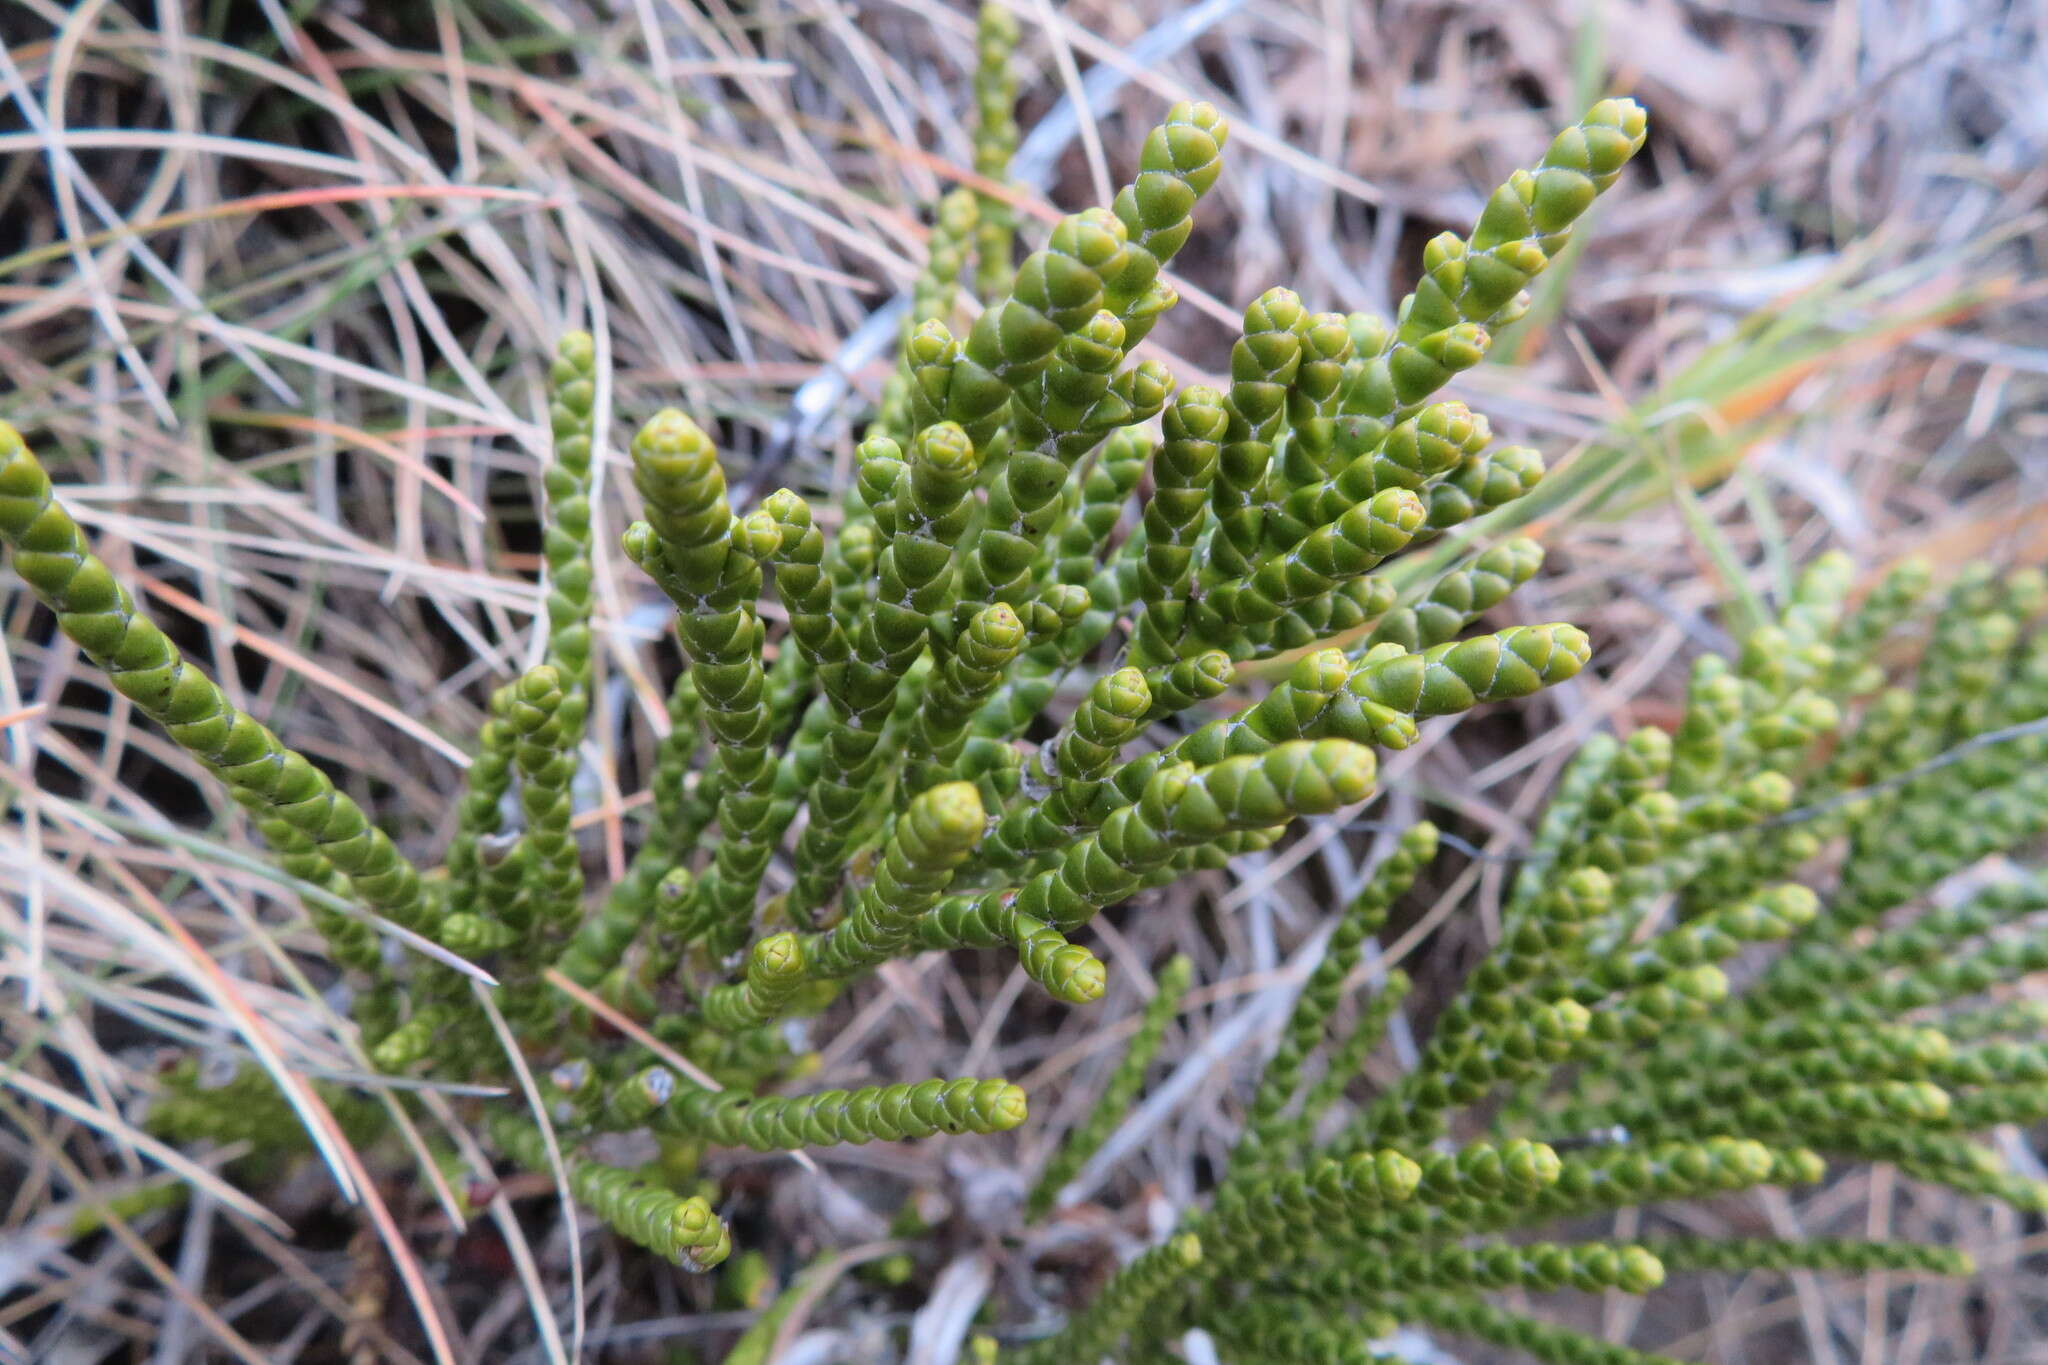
[1044, 528]
[1671, 1011]
[866, 783]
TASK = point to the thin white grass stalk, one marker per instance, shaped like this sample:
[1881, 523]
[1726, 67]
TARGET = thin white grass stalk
[144, 1255]
[1242, 132]
[530, 1092]
[627, 1026]
[760, 178]
[61, 171]
[317, 1122]
[73, 177]
[126, 1134]
[942, 1324]
[416, 1143]
[262, 868]
[154, 535]
[693, 191]
[183, 955]
[261, 203]
[409, 1272]
[138, 139]
[533, 436]
[449, 34]
[1084, 107]
[195, 1251]
[23, 756]
[1258, 1014]
[516, 1243]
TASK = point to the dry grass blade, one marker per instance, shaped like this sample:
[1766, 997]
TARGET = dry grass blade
[128, 1135]
[551, 1334]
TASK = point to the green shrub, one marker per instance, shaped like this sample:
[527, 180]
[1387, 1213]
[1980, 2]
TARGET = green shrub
[1667, 1015]
[878, 747]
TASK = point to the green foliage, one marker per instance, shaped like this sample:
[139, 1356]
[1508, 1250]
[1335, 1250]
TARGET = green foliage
[1361, 920]
[1665, 1015]
[321, 836]
[1001, 704]
[880, 742]
[886, 1112]
[995, 142]
[684, 1230]
[1122, 1087]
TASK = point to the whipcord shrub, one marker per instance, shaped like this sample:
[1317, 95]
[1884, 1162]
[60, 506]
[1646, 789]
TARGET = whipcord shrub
[1037, 516]
[1737, 954]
